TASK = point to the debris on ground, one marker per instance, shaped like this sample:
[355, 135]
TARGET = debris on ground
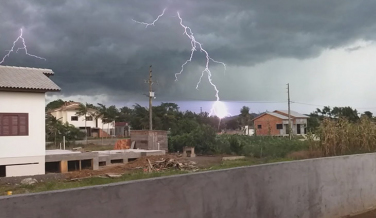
[159, 163]
[113, 175]
[28, 181]
[77, 149]
[233, 158]
[169, 163]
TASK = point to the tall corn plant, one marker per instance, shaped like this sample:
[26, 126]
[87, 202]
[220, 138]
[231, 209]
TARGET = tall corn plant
[340, 136]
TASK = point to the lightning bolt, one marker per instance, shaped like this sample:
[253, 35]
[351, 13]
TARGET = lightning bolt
[219, 109]
[20, 37]
[152, 23]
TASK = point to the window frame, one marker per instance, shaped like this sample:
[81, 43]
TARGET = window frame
[259, 126]
[281, 125]
[72, 117]
[26, 132]
[90, 118]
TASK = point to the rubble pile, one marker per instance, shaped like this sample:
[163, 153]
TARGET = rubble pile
[169, 163]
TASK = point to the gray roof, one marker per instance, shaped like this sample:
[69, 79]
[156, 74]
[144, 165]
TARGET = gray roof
[26, 79]
[294, 114]
[278, 115]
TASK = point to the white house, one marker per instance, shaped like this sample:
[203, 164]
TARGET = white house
[22, 119]
[67, 113]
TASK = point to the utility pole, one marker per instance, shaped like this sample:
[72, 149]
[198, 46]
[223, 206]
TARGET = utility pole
[151, 96]
[288, 102]
[200, 110]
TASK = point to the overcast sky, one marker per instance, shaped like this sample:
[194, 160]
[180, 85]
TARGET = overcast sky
[324, 49]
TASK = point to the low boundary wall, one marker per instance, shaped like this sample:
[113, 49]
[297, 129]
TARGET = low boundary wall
[315, 188]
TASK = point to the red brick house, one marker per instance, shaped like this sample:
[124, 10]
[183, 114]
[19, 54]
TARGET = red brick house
[276, 123]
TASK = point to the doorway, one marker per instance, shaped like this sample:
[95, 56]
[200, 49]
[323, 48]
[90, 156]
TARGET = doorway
[287, 129]
[3, 171]
[298, 129]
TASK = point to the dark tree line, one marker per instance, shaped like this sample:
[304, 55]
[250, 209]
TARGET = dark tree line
[348, 113]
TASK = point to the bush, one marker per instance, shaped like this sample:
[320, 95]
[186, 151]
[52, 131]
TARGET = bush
[258, 146]
[202, 138]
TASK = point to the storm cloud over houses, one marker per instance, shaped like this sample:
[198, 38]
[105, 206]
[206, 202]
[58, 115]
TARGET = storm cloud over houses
[96, 49]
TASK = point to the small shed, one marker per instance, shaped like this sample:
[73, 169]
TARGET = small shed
[150, 139]
[122, 129]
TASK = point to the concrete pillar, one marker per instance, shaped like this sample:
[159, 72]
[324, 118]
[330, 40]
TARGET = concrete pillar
[63, 166]
[95, 163]
[108, 161]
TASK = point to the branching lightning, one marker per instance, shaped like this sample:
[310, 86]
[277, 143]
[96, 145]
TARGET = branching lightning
[20, 37]
[152, 23]
[219, 109]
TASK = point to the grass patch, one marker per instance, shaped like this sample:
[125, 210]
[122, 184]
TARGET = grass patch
[58, 185]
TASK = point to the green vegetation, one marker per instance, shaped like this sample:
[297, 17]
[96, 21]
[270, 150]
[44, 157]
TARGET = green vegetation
[55, 130]
[259, 146]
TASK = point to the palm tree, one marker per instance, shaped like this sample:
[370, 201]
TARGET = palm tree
[112, 114]
[83, 110]
[102, 113]
[53, 125]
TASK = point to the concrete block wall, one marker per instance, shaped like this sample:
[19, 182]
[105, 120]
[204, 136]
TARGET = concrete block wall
[317, 188]
[146, 139]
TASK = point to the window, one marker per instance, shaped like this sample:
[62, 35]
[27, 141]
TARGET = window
[74, 118]
[89, 118]
[258, 126]
[279, 126]
[14, 124]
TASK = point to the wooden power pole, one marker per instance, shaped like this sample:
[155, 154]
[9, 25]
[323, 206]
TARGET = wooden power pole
[288, 102]
[151, 96]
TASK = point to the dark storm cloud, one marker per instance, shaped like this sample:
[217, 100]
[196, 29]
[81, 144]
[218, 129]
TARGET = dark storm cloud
[94, 47]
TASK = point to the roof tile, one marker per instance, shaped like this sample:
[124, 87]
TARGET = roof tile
[26, 78]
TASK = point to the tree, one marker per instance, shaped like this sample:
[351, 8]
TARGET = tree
[83, 110]
[52, 126]
[345, 112]
[54, 104]
[125, 114]
[368, 114]
[140, 118]
[245, 117]
[112, 114]
[232, 124]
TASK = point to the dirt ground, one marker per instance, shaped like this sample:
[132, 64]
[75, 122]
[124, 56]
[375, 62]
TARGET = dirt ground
[139, 164]
[370, 214]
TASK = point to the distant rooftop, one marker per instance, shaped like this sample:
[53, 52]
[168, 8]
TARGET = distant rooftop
[278, 115]
[26, 79]
[293, 113]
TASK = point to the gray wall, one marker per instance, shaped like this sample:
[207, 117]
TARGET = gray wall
[326, 187]
[146, 139]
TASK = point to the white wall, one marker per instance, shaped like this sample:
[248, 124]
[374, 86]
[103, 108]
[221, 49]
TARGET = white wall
[66, 117]
[24, 149]
[33, 104]
[25, 170]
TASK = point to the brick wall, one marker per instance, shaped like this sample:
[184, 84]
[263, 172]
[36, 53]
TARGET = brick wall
[267, 121]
